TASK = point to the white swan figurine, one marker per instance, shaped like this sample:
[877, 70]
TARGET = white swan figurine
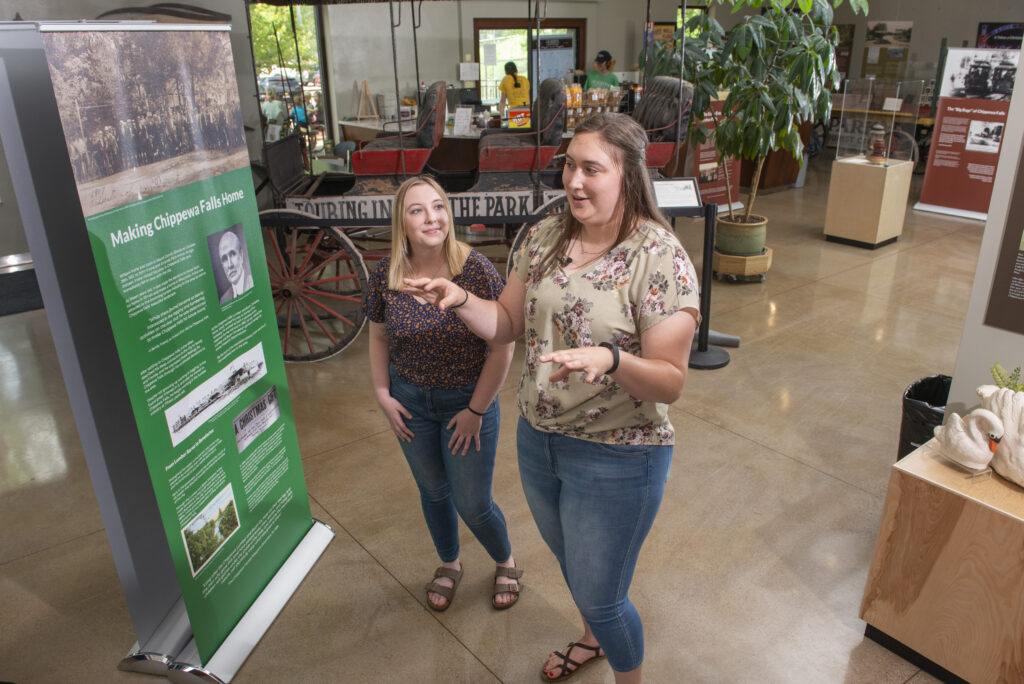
[1009, 406]
[971, 442]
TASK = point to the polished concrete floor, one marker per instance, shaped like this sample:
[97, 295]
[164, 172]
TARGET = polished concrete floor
[753, 572]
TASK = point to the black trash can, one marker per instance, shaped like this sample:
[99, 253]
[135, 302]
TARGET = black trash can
[924, 405]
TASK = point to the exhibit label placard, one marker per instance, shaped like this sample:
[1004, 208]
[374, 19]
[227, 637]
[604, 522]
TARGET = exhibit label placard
[153, 127]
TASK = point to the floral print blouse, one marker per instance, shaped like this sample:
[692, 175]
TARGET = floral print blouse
[639, 283]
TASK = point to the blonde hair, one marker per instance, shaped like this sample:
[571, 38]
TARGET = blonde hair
[401, 266]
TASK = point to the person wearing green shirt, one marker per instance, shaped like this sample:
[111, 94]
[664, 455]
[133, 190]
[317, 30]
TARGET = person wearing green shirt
[602, 76]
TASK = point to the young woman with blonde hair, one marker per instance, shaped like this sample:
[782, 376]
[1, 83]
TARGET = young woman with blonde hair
[437, 383]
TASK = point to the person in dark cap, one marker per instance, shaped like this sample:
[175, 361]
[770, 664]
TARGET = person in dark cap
[602, 76]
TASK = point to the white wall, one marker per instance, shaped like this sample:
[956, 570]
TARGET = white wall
[360, 37]
[955, 20]
[982, 346]
[359, 45]
[444, 38]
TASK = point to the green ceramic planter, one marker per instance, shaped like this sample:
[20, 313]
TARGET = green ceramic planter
[741, 239]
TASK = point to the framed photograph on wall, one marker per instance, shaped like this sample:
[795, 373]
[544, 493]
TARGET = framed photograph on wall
[664, 32]
[998, 34]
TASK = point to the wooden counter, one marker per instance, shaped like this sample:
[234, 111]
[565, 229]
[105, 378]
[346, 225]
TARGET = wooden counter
[947, 574]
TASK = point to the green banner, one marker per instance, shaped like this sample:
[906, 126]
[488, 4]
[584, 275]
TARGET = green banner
[157, 148]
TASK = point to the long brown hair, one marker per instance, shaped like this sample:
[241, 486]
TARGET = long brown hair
[455, 252]
[627, 142]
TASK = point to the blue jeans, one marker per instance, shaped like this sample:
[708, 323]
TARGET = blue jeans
[594, 505]
[451, 484]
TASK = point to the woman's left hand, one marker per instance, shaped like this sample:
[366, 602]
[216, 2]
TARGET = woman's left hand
[593, 362]
[467, 430]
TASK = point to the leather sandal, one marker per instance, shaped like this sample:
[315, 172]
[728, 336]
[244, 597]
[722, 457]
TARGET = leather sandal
[564, 671]
[447, 592]
[513, 573]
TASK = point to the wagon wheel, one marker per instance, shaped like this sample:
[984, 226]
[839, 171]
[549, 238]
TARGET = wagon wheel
[552, 206]
[318, 280]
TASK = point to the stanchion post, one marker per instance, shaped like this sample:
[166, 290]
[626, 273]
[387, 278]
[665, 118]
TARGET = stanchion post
[702, 356]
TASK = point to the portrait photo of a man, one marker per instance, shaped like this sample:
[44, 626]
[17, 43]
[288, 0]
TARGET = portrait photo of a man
[231, 269]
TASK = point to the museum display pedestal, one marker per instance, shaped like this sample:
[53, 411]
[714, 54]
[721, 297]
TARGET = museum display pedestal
[867, 202]
[946, 576]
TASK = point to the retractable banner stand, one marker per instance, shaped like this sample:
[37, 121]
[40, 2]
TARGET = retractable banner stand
[154, 140]
[966, 141]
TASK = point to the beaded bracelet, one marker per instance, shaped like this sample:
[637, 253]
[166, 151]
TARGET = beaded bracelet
[615, 356]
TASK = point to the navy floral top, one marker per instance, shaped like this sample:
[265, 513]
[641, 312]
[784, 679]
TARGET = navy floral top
[641, 282]
[427, 347]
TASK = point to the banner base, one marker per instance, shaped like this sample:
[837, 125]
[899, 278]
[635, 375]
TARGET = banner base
[183, 665]
[948, 211]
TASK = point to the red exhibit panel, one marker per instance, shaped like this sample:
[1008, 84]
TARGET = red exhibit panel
[964, 154]
[710, 170]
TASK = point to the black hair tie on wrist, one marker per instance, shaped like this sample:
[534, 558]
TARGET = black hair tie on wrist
[615, 356]
[456, 306]
[474, 411]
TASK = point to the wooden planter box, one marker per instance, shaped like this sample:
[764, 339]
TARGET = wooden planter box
[744, 268]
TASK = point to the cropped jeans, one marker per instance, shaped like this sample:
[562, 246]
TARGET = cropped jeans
[452, 484]
[594, 505]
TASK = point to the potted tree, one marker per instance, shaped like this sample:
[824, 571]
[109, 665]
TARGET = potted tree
[779, 69]
[704, 37]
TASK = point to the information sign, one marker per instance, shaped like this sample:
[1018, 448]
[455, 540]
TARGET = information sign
[153, 128]
[968, 134]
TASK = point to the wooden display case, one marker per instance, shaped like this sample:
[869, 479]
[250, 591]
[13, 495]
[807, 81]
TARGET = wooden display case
[867, 202]
[948, 568]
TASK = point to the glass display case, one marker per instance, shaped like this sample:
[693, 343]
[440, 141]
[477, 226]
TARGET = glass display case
[877, 120]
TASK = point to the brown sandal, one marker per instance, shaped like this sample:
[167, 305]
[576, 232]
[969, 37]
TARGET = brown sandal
[513, 573]
[447, 592]
[564, 671]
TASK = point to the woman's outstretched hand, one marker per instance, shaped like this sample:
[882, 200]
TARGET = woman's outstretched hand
[593, 362]
[440, 292]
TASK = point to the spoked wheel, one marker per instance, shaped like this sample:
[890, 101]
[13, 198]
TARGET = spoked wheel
[319, 282]
[552, 206]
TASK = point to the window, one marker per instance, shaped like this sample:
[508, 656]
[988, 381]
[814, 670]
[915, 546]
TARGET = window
[286, 51]
[498, 41]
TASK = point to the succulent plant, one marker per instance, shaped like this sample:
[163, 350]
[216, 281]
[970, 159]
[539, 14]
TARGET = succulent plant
[1009, 380]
